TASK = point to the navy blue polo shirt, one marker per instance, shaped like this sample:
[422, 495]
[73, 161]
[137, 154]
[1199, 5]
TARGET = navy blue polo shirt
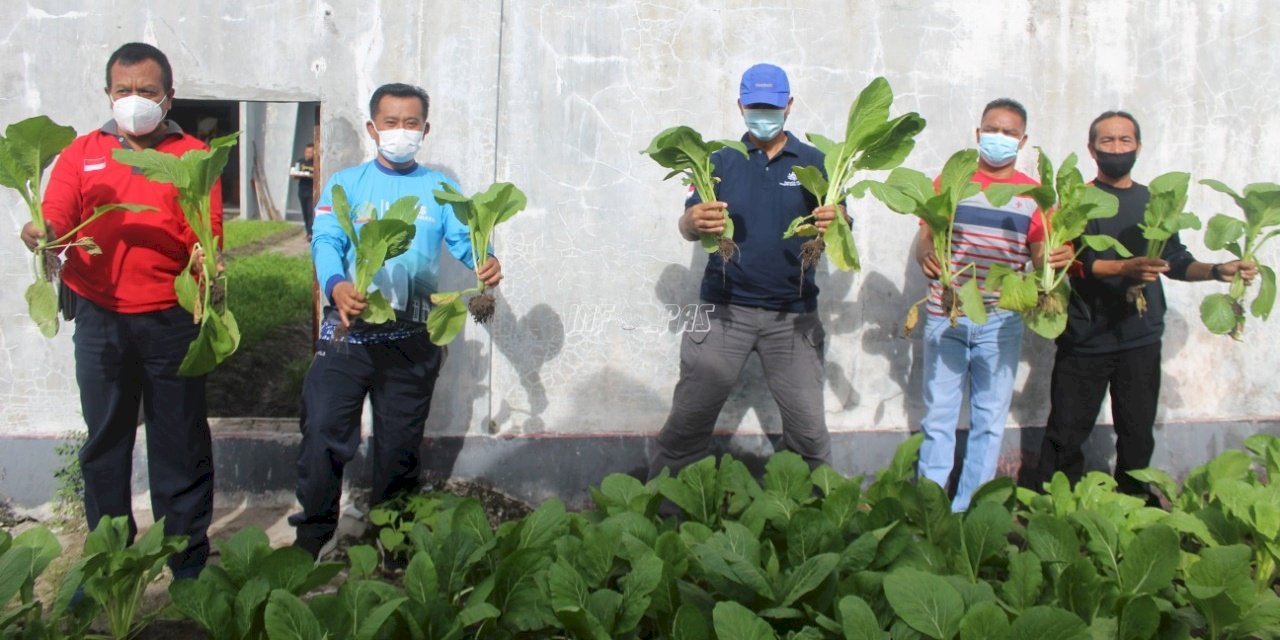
[763, 197]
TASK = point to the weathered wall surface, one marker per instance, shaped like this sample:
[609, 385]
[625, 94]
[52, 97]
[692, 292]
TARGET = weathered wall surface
[558, 97]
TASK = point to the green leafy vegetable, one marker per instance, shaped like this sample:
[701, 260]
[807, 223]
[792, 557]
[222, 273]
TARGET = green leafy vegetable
[481, 213]
[908, 191]
[1041, 296]
[1164, 217]
[375, 242]
[871, 142]
[26, 151]
[1224, 313]
[682, 150]
[203, 293]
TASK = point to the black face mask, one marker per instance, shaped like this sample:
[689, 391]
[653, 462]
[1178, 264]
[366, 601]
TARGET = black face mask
[1116, 165]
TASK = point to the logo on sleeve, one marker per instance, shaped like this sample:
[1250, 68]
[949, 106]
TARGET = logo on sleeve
[791, 181]
[95, 164]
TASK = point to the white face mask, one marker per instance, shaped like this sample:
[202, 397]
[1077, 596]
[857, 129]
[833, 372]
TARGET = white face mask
[136, 115]
[399, 145]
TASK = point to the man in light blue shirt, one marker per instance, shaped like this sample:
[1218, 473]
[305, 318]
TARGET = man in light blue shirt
[394, 363]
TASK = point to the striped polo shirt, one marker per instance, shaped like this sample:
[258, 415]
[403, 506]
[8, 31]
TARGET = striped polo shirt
[986, 235]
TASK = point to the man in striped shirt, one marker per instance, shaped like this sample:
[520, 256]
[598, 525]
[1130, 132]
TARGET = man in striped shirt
[983, 357]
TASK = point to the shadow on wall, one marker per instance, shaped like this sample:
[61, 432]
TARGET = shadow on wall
[528, 343]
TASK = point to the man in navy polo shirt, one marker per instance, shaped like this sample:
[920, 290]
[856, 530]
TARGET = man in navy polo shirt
[759, 303]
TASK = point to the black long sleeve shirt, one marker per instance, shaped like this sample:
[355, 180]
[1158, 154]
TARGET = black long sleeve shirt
[1099, 318]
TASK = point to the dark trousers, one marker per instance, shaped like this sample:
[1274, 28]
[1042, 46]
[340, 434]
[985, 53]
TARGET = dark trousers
[308, 213]
[790, 347]
[399, 378]
[1078, 386]
[124, 359]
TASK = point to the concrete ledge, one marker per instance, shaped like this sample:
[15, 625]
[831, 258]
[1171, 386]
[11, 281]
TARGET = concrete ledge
[257, 457]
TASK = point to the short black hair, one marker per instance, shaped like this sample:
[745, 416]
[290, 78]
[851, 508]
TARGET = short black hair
[133, 53]
[399, 90]
[1107, 115]
[1009, 104]
[309, 145]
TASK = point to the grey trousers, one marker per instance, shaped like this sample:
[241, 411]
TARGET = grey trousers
[790, 349]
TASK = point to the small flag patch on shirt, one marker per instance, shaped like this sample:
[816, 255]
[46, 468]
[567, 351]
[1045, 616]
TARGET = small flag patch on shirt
[324, 211]
[95, 164]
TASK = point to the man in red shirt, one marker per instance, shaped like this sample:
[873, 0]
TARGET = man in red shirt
[130, 333]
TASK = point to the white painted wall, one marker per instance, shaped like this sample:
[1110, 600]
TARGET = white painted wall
[559, 97]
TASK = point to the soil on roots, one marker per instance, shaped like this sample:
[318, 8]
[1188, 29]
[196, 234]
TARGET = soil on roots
[948, 299]
[811, 253]
[1134, 294]
[728, 249]
[481, 307]
[1049, 304]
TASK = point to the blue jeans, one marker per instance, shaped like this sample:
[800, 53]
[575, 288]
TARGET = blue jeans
[985, 356]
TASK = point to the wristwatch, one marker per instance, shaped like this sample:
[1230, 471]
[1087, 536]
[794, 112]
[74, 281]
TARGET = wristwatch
[1216, 272]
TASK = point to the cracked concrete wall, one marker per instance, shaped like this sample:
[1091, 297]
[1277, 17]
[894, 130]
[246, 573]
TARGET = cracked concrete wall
[559, 97]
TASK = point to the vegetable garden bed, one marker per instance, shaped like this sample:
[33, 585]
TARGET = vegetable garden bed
[799, 554]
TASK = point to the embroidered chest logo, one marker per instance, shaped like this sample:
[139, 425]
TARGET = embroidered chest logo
[791, 181]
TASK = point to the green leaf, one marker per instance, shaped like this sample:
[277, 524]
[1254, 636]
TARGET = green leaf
[1266, 299]
[689, 624]
[1053, 539]
[1217, 312]
[857, 620]
[364, 560]
[1149, 561]
[188, 290]
[203, 602]
[29, 148]
[696, 490]
[420, 580]
[373, 621]
[1139, 619]
[971, 301]
[287, 618]
[812, 180]
[1048, 623]
[42, 306]
[342, 213]
[242, 552]
[925, 602]
[807, 577]
[735, 621]
[840, 246]
[445, 321]
[15, 569]
[1104, 243]
[891, 143]
[542, 527]
[1000, 193]
[985, 621]
[983, 534]
[1026, 579]
[379, 309]
[787, 474]
[1222, 231]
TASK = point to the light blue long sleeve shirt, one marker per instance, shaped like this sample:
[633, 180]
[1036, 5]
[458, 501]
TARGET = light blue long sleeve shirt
[408, 280]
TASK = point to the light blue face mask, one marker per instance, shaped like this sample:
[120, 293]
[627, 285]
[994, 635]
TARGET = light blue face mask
[764, 124]
[997, 149]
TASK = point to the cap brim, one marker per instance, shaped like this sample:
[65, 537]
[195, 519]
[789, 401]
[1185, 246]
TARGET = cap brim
[765, 97]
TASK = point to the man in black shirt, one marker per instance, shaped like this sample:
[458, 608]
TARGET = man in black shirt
[1108, 343]
[303, 171]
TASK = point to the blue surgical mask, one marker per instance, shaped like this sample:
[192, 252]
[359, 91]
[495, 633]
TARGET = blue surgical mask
[764, 124]
[997, 149]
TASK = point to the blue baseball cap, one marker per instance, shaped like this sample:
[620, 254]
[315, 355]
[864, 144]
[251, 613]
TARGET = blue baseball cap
[764, 84]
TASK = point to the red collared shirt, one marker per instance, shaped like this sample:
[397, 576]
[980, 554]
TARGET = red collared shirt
[142, 251]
